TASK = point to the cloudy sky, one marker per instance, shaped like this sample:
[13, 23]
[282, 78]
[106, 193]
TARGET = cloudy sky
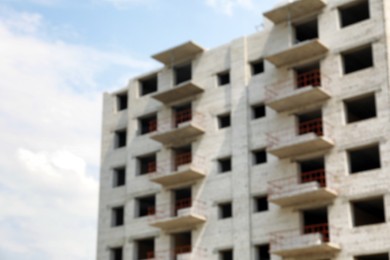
[56, 59]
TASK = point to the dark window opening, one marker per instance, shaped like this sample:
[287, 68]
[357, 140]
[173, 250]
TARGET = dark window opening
[384, 256]
[310, 123]
[368, 212]
[120, 138]
[226, 254]
[361, 108]
[364, 159]
[182, 114]
[182, 198]
[147, 164]
[263, 252]
[224, 121]
[116, 253]
[225, 210]
[308, 76]
[119, 176]
[357, 59]
[224, 165]
[121, 101]
[148, 85]
[261, 204]
[258, 111]
[183, 73]
[182, 243]
[257, 67]
[223, 78]
[148, 124]
[183, 156]
[117, 216]
[145, 249]
[146, 206]
[259, 156]
[313, 170]
[306, 31]
[316, 221]
[354, 13]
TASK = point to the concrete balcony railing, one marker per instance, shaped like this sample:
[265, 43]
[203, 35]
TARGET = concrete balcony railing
[184, 214]
[185, 169]
[308, 88]
[311, 136]
[294, 9]
[314, 240]
[310, 187]
[181, 130]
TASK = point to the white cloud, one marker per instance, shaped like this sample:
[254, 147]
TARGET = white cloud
[228, 6]
[50, 119]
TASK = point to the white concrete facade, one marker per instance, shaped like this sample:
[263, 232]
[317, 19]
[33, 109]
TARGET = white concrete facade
[247, 229]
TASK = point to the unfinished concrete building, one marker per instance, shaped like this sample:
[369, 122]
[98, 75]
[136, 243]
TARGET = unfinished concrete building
[274, 146]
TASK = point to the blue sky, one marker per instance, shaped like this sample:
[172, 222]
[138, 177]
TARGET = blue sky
[56, 59]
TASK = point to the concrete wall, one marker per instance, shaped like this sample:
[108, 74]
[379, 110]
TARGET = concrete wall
[247, 229]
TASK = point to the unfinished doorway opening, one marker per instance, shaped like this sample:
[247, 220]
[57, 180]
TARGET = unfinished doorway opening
[145, 249]
[182, 243]
[309, 75]
[316, 221]
[310, 123]
[182, 113]
[182, 73]
[313, 170]
[182, 156]
[182, 199]
[306, 31]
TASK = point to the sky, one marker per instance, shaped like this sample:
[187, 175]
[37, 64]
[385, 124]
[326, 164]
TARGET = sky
[57, 57]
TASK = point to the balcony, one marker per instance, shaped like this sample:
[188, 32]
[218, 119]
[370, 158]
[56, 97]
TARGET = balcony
[183, 215]
[182, 91]
[299, 52]
[185, 169]
[294, 9]
[310, 187]
[315, 240]
[310, 138]
[186, 127]
[180, 53]
[309, 89]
